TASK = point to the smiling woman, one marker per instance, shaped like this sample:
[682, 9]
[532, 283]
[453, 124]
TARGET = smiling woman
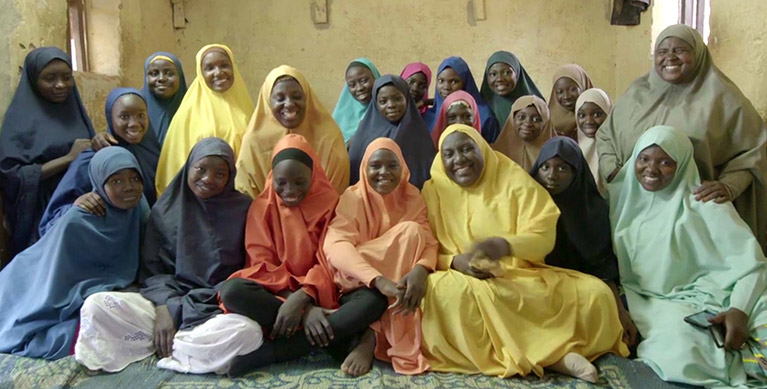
[355, 96]
[686, 90]
[394, 115]
[287, 105]
[526, 130]
[217, 105]
[164, 89]
[127, 121]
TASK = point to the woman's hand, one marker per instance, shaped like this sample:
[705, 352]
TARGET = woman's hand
[389, 289]
[735, 323]
[290, 314]
[101, 140]
[316, 326]
[630, 331]
[78, 147]
[461, 262]
[495, 248]
[712, 190]
[164, 331]
[414, 284]
[92, 203]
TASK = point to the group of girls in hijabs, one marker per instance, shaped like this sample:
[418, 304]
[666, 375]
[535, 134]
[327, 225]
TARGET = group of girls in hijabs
[484, 231]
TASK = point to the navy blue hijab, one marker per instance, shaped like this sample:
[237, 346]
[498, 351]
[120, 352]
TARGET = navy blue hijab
[43, 288]
[490, 128]
[193, 245]
[35, 131]
[411, 134]
[75, 182]
[583, 229]
[161, 111]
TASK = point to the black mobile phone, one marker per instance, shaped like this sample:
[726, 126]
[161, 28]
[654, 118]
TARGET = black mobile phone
[700, 319]
[717, 332]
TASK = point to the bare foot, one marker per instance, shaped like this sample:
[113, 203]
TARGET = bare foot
[575, 365]
[360, 359]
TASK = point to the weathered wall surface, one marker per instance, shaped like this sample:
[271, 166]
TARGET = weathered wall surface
[737, 43]
[263, 35]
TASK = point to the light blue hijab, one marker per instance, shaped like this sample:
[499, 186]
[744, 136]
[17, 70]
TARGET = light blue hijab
[349, 112]
[44, 286]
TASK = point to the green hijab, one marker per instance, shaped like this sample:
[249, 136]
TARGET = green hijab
[672, 247]
[728, 135]
[501, 105]
[349, 111]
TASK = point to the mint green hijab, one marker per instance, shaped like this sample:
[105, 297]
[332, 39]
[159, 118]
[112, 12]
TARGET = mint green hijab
[668, 244]
[678, 256]
[349, 111]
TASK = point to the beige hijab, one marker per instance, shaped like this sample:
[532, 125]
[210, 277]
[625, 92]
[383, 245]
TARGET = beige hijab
[589, 145]
[727, 133]
[562, 120]
[518, 150]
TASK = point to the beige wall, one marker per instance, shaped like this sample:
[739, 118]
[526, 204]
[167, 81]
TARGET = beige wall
[263, 35]
[737, 43]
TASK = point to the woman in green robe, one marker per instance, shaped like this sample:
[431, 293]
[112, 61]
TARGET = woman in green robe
[687, 91]
[678, 256]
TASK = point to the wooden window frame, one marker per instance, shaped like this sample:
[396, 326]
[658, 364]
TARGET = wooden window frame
[77, 34]
[692, 13]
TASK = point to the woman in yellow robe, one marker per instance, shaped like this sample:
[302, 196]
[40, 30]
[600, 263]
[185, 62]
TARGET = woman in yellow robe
[518, 315]
[287, 105]
[216, 104]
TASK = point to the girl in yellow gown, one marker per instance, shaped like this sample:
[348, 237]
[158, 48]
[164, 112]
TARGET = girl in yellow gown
[518, 315]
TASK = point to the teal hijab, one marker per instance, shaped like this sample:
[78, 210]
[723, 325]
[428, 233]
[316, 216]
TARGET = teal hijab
[349, 111]
[671, 246]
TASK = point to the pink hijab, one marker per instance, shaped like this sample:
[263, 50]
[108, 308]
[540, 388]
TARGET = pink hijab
[414, 68]
[441, 124]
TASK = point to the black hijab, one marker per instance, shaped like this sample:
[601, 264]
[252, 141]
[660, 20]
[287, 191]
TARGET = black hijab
[35, 131]
[192, 245]
[583, 230]
[411, 134]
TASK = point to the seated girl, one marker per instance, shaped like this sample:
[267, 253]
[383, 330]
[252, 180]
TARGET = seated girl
[128, 122]
[43, 288]
[454, 75]
[193, 242]
[678, 257]
[287, 283]
[217, 104]
[525, 132]
[591, 110]
[418, 78]
[505, 81]
[287, 105]
[583, 230]
[458, 107]
[493, 306]
[392, 114]
[380, 237]
[569, 82]
[356, 96]
[44, 129]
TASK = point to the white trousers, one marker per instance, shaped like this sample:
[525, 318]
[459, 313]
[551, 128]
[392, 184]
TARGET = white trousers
[117, 329]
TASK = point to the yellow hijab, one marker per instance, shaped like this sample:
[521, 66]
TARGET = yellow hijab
[504, 202]
[204, 113]
[264, 131]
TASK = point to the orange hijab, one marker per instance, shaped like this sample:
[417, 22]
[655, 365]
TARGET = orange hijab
[283, 243]
[363, 214]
